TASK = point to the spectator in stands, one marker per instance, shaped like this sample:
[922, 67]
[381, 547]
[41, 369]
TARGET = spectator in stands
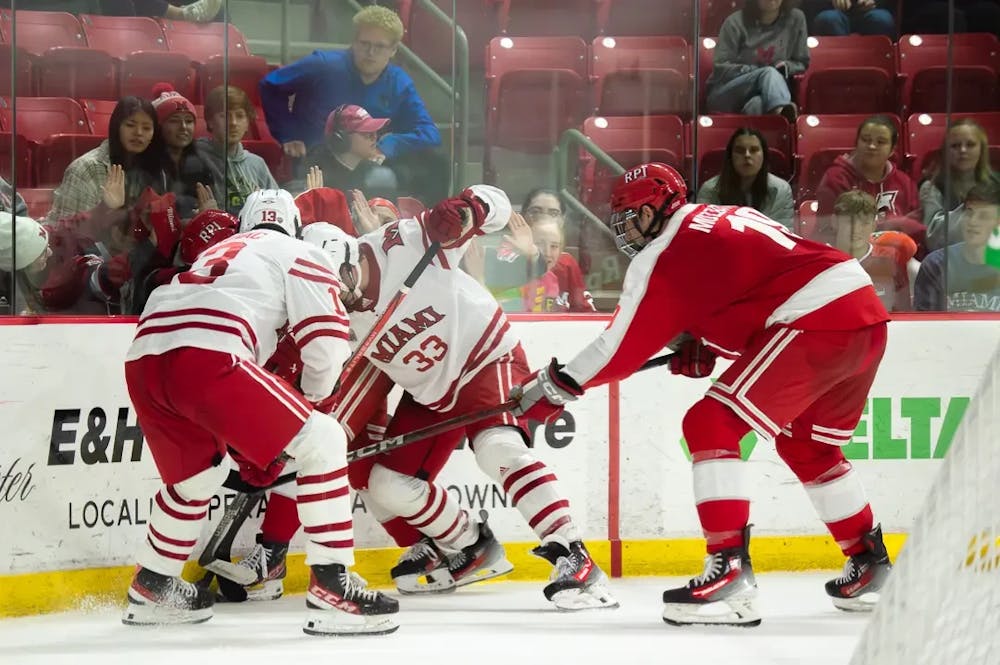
[518, 260]
[30, 254]
[931, 16]
[196, 11]
[236, 173]
[349, 152]
[869, 169]
[746, 179]
[965, 157]
[8, 202]
[186, 170]
[561, 288]
[956, 278]
[135, 144]
[887, 256]
[759, 49]
[298, 98]
[842, 17]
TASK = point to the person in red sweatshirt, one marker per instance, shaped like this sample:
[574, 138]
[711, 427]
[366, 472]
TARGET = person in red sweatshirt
[868, 169]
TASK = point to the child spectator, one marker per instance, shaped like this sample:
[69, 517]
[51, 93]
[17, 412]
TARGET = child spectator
[746, 179]
[868, 168]
[956, 278]
[842, 17]
[185, 168]
[561, 288]
[965, 156]
[134, 144]
[759, 49]
[23, 263]
[887, 256]
[236, 173]
[349, 152]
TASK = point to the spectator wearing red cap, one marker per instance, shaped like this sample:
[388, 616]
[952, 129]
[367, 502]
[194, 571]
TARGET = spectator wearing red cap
[185, 168]
[349, 156]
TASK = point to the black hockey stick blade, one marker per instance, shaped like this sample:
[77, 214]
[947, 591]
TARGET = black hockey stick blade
[224, 534]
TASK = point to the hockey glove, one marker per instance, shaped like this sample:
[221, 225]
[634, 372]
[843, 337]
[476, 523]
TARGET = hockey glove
[254, 475]
[544, 395]
[693, 359]
[449, 220]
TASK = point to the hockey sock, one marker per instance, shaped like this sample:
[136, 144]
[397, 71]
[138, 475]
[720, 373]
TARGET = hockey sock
[281, 520]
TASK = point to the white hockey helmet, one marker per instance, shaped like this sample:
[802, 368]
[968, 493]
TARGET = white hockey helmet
[343, 250]
[271, 206]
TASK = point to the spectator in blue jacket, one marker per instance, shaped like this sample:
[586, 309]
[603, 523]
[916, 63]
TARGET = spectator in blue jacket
[298, 98]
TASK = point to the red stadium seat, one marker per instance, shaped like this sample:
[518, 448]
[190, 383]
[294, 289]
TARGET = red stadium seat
[22, 83]
[925, 132]
[706, 57]
[40, 117]
[39, 201]
[806, 224]
[200, 41]
[55, 153]
[713, 134]
[923, 72]
[39, 31]
[854, 74]
[15, 150]
[245, 72]
[821, 139]
[641, 75]
[98, 112]
[535, 89]
[645, 17]
[81, 73]
[714, 13]
[549, 18]
[122, 35]
[140, 71]
[431, 39]
[630, 141]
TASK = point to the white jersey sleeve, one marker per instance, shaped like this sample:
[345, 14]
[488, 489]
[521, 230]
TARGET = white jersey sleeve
[317, 321]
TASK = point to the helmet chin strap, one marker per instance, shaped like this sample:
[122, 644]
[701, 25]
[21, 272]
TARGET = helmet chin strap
[659, 219]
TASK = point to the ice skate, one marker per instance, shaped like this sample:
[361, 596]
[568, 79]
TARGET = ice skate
[722, 595]
[857, 590]
[422, 569]
[155, 599]
[482, 560]
[337, 603]
[576, 582]
[267, 561]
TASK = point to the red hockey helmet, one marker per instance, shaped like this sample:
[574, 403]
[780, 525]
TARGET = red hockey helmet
[654, 184]
[207, 228]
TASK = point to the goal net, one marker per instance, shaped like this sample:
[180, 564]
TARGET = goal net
[942, 601]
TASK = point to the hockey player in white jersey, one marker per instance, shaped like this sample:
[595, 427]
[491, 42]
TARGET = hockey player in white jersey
[450, 347]
[194, 376]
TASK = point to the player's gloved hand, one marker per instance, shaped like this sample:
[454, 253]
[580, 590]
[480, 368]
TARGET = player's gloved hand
[693, 359]
[286, 361]
[451, 218]
[256, 476]
[544, 395]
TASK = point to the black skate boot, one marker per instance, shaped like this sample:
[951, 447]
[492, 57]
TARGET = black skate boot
[864, 575]
[267, 561]
[722, 595]
[155, 599]
[337, 603]
[422, 569]
[482, 560]
[577, 583]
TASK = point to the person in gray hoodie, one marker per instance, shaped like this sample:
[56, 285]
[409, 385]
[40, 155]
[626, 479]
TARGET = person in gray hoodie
[236, 173]
[759, 49]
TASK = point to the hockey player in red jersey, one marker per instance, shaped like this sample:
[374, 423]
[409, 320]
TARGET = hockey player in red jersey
[807, 332]
[197, 351]
[450, 347]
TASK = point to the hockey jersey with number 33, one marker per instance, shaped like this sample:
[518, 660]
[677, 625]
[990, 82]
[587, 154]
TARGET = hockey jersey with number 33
[724, 274]
[448, 327]
[240, 293]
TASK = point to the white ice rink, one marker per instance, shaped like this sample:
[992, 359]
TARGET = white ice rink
[507, 622]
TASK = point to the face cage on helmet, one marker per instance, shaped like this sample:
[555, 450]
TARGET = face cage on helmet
[620, 227]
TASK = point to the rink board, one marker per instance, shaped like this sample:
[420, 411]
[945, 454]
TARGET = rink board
[76, 480]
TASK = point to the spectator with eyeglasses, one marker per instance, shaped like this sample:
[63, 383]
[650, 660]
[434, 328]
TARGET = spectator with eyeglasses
[298, 98]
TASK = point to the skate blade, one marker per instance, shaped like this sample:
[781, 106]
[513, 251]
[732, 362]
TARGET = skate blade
[231, 571]
[729, 612]
[496, 569]
[437, 581]
[594, 597]
[158, 615]
[334, 623]
[269, 590]
[866, 602]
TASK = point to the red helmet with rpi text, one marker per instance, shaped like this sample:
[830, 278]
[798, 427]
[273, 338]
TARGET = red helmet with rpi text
[654, 184]
[207, 228]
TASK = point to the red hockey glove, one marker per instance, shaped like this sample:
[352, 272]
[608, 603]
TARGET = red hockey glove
[693, 359]
[447, 221]
[256, 476]
[158, 214]
[286, 361]
[544, 395]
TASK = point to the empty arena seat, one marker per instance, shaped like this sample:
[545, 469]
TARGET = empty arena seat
[641, 75]
[852, 74]
[923, 71]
